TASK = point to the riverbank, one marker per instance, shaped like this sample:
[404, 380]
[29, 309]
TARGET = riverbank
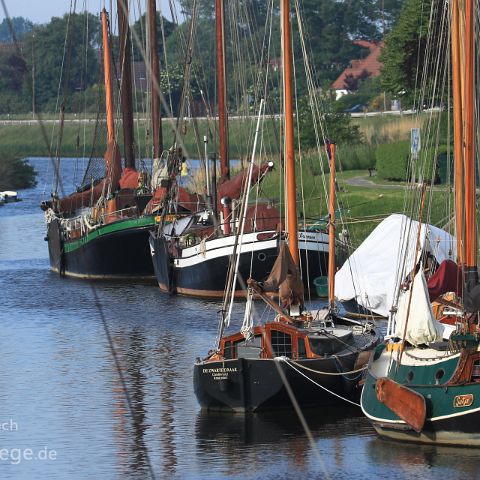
[25, 136]
[31, 138]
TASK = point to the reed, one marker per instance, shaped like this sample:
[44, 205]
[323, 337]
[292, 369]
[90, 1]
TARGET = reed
[387, 129]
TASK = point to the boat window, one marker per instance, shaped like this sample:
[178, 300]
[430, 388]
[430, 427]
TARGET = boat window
[228, 351]
[476, 371]
[410, 376]
[439, 374]
[302, 351]
[249, 349]
[281, 344]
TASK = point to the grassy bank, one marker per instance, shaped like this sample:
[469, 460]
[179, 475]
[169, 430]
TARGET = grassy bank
[362, 207]
[27, 138]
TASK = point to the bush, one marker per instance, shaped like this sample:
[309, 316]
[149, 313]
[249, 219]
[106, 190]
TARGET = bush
[16, 173]
[356, 157]
[393, 162]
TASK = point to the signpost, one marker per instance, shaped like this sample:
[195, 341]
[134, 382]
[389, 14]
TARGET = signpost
[415, 142]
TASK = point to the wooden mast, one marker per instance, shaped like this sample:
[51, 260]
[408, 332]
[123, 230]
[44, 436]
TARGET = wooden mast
[155, 80]
[222, 90]
[126, 83]
[469, 171]
[331, 228]
[107, 62]
[457, 130]
[289, 135]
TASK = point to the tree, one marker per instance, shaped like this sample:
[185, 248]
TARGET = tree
[21, 26]
[13, 71]
[338, 125]
[412, 47]
[81, 66]
[140, 27]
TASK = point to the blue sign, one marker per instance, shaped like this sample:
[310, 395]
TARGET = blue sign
[415, 142]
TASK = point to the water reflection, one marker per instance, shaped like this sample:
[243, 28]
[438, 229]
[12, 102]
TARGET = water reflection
[244, 439]
[411, 458]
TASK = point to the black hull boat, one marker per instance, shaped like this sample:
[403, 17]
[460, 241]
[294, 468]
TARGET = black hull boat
[307, 358]
[201, 270]
[116, 251]
[319, 363]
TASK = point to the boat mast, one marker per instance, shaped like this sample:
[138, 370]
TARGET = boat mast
[126, 83]
[331, 228]
[457, 130]
[155, 80]
[289, 135]
[107, 62]
[222, 90]
[469, 173]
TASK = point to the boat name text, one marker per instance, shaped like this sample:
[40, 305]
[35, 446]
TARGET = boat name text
[463, 400]
[220, 373]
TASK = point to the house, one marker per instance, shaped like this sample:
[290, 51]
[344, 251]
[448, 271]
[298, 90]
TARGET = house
[359, 69]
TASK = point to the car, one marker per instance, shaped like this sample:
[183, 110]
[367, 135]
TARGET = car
[358, 108]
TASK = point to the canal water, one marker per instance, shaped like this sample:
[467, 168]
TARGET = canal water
[67, 413]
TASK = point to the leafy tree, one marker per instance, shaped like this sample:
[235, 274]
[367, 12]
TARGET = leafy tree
[21, 26]
[140, 28]
[13, 70]
[407, 46]
[47, 44]
[15, 173]
[367, 91]
[370, 19]
[338, 125]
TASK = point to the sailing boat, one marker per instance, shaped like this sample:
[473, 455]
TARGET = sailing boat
[420, 387]
[304, 352]
[100, 232]
[192, 256]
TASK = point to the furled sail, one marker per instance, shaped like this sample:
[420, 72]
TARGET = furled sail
[285, 277]
[422, 328]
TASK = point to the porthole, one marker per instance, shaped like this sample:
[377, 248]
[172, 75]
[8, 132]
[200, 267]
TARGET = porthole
[262, 256]
[410, 376]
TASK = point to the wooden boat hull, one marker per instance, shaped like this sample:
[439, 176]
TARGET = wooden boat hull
[116, 251]
[452, 409]
[251, 385]
[203, 273]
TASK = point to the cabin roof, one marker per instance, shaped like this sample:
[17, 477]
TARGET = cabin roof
[370, 64]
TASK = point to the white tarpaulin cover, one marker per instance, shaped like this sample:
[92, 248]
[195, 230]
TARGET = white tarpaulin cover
[372, 274]
[422, 328]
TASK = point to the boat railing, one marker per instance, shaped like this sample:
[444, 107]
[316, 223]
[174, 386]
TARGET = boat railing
[128, 212]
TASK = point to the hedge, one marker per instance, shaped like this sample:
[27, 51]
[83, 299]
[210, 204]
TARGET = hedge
[392, 161]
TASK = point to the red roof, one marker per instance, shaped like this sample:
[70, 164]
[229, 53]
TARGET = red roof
[369, 64]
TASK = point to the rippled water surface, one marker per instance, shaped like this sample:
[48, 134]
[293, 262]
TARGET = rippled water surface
[62, 398]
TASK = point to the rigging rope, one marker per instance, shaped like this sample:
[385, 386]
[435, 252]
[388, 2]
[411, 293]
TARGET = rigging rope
[286, 360]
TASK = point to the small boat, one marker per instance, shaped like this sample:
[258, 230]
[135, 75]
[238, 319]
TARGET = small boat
[8, 196]
[302, 357]
[423, 384]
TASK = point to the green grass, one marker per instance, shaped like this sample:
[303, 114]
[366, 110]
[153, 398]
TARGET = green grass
[28, 139]
[362, 207]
